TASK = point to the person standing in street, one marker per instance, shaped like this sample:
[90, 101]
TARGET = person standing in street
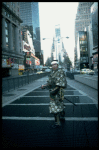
[56, 84]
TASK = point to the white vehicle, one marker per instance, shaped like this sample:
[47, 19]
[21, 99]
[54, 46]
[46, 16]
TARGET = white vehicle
[47, 70]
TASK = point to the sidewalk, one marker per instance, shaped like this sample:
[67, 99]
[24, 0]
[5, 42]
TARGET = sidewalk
[91, 92]
[12, 95]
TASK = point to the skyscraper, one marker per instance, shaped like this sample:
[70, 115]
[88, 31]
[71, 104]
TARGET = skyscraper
[83, 19]
[58, 44]
[29, 13]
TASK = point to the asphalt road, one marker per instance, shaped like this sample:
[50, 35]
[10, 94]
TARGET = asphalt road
[26, 122]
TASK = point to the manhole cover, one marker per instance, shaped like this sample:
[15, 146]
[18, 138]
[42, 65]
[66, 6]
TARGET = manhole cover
[21, 89]
[8, 94]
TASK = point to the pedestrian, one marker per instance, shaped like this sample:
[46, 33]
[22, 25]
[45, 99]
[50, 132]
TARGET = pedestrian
[56, 84]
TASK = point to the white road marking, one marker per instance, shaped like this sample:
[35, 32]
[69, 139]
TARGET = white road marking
[48, 91]
[51, 118]
[48, 95]
[48, 104]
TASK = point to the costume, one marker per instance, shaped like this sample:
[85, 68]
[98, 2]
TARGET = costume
[56, 83]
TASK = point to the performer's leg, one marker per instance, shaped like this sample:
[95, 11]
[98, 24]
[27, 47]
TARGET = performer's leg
[57, 120]
[62, 115]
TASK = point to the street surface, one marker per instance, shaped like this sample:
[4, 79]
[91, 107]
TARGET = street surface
[26, 121]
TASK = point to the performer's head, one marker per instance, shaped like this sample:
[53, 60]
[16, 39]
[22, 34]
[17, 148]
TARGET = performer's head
[54, 64]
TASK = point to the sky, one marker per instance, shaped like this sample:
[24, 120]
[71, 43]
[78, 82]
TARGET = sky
[51, 14]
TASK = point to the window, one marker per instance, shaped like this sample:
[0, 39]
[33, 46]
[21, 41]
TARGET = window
[7, 40]
[13, 36]
[6, 33]
[6, 25]
[7, 14]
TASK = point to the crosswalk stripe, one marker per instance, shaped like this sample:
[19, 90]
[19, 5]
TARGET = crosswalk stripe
[48, 104]
[51, 118]
[48, 91]
[48, 95]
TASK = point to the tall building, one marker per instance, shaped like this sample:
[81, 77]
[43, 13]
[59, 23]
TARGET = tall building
[12, 54]
[29, 13]
[83, 19]
[94, 16]
[58, 44]
[82, 50]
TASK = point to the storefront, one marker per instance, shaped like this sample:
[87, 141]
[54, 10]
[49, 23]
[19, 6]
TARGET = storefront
[10, 65]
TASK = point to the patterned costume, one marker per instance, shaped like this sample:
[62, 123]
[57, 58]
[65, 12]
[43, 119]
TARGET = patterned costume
[56, 83]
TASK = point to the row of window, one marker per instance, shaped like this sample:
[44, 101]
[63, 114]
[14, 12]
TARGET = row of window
[11, 17]
[13, 35]
[11, 3]
[85, 4]
[15, 10]
[82, 17]
[84, 10]
[84, 59]
[82, 23]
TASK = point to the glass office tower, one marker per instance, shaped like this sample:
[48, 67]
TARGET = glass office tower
[29, 13]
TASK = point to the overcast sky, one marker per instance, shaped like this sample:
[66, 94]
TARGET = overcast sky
[51, 14]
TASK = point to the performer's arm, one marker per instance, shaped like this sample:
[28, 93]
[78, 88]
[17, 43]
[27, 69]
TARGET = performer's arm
[55, 90]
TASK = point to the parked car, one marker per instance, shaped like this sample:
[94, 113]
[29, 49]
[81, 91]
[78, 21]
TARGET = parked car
[91, 72]
[87, 71]
[39, 72]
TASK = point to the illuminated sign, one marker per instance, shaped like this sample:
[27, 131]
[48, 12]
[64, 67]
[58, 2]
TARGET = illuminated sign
[26, 47]
[37, 62]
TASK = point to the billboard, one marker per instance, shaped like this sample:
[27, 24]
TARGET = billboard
[6, 63]
[37, 62]
[26, 47]
[28, 61]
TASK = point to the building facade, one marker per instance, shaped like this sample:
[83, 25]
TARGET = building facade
[12, 55]
[90, 44]
[94, 17]
[83, 19]
[58, 54]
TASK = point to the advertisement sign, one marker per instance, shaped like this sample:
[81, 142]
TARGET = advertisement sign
[11, 61]
[6, 63]
[37, 62]
[21, 67]
[28, 60]
[26, 47]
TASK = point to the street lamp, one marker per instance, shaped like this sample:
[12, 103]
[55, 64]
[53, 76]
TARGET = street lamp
[54, 40]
